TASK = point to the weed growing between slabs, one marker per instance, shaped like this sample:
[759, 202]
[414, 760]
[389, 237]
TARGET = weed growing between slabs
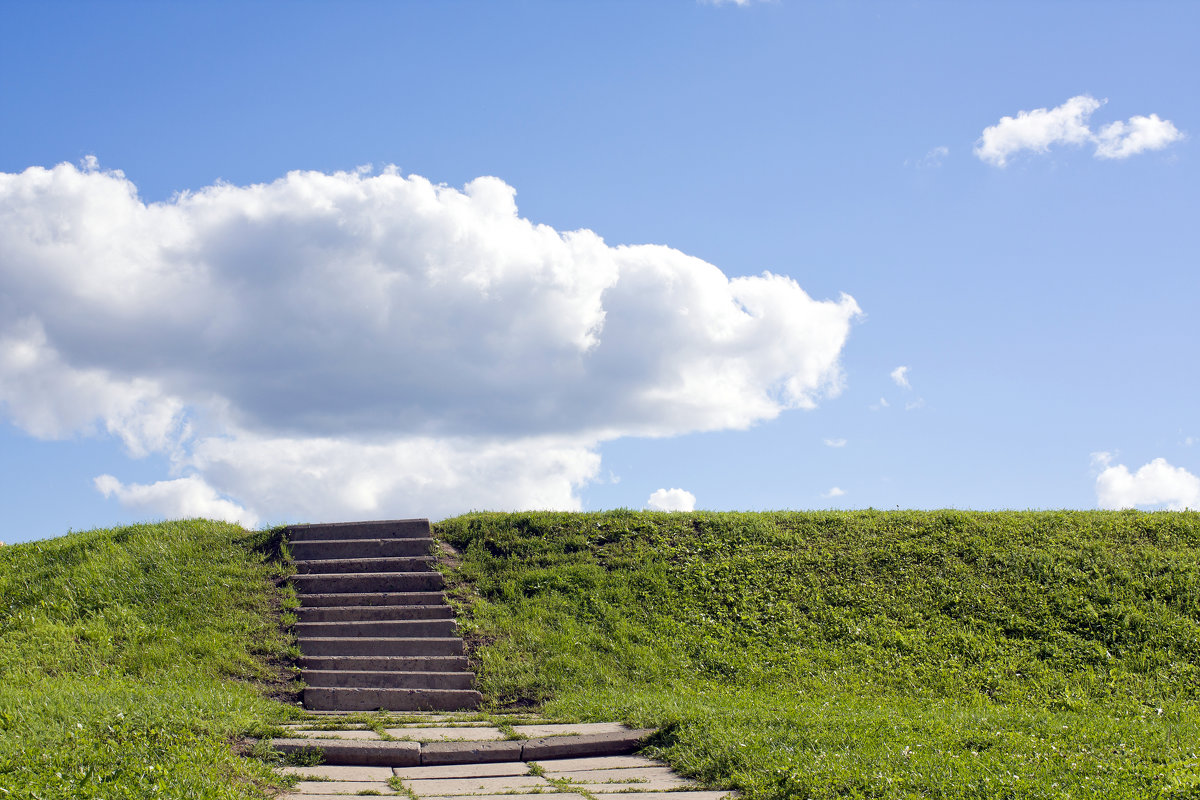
[132, 660]
[857, 654]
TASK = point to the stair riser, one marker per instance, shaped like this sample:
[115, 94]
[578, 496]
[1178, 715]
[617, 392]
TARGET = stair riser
[386, 663]
[412, 627]
[371, 599]
[319, 699]
[358, 582]
[374, 613]
[341, 565]
[367, 646]
[392, 529]
[388, 680]
[361, 548]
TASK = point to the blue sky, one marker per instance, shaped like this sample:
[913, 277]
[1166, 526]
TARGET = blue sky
[185, 329]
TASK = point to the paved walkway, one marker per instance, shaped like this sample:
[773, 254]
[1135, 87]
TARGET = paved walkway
[634, 777]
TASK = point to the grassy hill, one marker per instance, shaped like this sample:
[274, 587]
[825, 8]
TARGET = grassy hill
[132, 659]
[857, 654]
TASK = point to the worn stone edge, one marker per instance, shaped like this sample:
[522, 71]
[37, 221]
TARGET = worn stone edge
[356, 752]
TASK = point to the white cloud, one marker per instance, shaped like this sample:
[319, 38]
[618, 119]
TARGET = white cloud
[835, 442]
[900, 376]
[183, 497]
[1040, 129]
[1154, 484]
[337, 345]
[1139, 134]
[882, 404]
[671, 500]
[834, 492]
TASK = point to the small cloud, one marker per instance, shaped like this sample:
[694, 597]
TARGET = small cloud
[913, 405]
[671, 500]
[1154, 484]
[834, 492]
[1139, 134]
[883, 403]
[900, 376]
[1188, 441]
[931, 160]
[1042, 128]
[182, 498]
[835, 442]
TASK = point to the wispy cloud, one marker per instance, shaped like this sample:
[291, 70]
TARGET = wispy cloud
[322, 342]
[835, 442]
[1068, 124]
[932, 159]
[900, 377]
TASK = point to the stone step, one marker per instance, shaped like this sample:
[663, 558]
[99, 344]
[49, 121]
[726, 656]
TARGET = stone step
[364, 565]
[371, 599]
[386, 663]
[373, 613]
[380, 646]
[356, 582]
[384, 529]
[338, 699]
[360, 548]
[388, 680]
[424, 628]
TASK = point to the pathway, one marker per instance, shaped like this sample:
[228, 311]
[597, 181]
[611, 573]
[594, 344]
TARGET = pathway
[526, 760]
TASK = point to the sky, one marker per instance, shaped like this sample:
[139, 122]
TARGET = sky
[300, 262]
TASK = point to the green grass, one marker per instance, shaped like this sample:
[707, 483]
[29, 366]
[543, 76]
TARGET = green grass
[133, 660]
[857, 654]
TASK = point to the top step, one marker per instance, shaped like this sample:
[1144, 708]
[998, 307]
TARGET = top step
[382, 529]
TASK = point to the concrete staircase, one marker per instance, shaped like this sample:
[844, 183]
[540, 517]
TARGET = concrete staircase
[375, 632]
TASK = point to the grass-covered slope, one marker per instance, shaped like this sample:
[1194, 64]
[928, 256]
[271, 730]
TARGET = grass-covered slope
[858, 654]
[132, 659]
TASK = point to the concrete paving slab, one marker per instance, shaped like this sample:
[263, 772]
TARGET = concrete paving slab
[632, 774]
[659, 785]
[357, 753]
[599, 762]
[591, 744]
[568, 729]
[447, 734]
[341, 773]
[538, 796]
[309, 733]
[702, 795]
[437, 753]
[305, 788]
[449, 723]
[437, 787]
[508, 768]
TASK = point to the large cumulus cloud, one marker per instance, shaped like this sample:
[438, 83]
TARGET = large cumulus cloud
[352, 344]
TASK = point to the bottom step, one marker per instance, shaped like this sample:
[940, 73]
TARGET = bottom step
[328, 699]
